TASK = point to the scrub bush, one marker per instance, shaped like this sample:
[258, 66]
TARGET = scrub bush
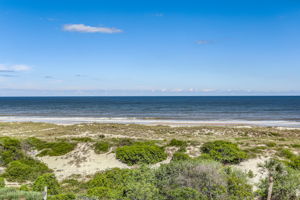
[112, 178]
[179, 156]
[185, 193]
[25, 169]
[2, 182]
[286, 153]
[129, 184]
[209, 178]
[48, 180]
[10, 150]
[103, 193]
[177, 143]
[141, 153]
[294, 162]
[101, 147]
[223, 151]
[51, 148]
[237, 185]
[36, 143]
[57, 148]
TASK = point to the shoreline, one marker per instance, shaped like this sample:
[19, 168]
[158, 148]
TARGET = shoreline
[154, 122]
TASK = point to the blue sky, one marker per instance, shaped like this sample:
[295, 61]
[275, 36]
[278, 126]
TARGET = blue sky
[89, 47]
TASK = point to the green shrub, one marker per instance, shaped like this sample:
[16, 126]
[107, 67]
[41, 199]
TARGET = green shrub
[2, 182]
[185, 193]
[177, 143]
[294, 162]
[10, 150]
[207, 177]
[15, 194]
[48, 180]
[101, 147]
[104, 193]
[237, 185]
[204, 156]
[223, 151]
[135, 184]
[72, 186]
[286, 153]
[25, 187]
[295, 145]
[57, 148]
[179, 156]
[68, 196]
[17, 171]
[112, 178]
[25, 169]
[36, 143]
[141, 153]
[140, 185]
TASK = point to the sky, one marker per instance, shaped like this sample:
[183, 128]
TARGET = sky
[149, 47]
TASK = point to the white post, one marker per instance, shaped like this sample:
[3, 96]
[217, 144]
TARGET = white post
[45, 193]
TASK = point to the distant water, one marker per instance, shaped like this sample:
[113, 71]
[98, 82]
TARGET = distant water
[267, 111]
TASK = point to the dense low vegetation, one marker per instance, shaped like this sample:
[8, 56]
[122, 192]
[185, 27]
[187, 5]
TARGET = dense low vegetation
[51, 148]
[186, 177]
[10, 150]
[141, 153]
[224, 151]
[179, 156]
[101, 147]
[25, 169]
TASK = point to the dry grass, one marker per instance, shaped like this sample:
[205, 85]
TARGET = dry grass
[247, 138]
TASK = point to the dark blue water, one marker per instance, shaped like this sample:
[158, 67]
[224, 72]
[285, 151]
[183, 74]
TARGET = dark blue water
[280, 108]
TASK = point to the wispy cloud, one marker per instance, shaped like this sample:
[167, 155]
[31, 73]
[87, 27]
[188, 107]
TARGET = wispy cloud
[202, 42]
[14, 68]
[90, 29]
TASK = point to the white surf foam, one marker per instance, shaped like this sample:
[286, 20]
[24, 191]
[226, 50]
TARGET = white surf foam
[76, 120]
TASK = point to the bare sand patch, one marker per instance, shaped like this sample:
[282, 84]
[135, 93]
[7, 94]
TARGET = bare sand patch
[253, 165]
[83, 161]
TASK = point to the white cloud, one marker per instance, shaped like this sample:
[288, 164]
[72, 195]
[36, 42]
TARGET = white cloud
[14, 68]
[90, 29]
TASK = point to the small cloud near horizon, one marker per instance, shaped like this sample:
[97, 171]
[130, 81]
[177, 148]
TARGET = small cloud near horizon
[90, 29]
[14, 68]
[202, 42]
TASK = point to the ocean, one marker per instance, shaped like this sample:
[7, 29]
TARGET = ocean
[215, 110]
